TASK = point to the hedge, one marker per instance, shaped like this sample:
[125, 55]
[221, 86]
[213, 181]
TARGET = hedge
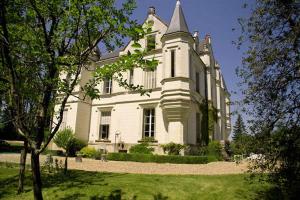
[53, 152]
[157, 158]
[11, 148]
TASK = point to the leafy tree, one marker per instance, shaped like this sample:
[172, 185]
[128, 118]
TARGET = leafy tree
[242, 142]
[271, 74]
[63, 139]
[239, 128]
[45, 45]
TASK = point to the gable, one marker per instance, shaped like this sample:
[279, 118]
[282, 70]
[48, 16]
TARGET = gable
[158, 29]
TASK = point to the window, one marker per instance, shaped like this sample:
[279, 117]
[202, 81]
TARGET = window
[172, 63]
[197, 82]
[104, 125]
[107, 86]
[63, 124]
[150, 42]
[149, 122]
[149, 79]
[131, 76]
[198, 133]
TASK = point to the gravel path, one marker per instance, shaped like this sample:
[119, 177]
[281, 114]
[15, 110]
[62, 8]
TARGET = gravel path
[213, 168]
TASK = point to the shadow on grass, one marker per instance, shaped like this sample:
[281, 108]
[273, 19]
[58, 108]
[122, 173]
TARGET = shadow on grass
[273, 193]
[261, 190]
[8, 186]
[74, 181]
[117, 195]
[65, 187]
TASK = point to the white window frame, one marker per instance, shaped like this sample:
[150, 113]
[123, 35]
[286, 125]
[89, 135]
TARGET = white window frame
[149, 79]
[107, 89]
[104, 124]
[152, 120]
[147, 41]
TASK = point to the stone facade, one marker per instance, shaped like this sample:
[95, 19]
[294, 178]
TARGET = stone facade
[186, 76]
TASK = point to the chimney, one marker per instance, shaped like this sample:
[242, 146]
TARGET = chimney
[207, 39]
[196, 38]
[196, 34]
[151, 10]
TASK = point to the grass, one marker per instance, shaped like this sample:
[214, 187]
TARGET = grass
[94, 185]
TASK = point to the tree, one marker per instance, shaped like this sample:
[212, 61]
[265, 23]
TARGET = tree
[44, 47]
[239, 128]
[271, 74]
[7, 131]
[63, 139]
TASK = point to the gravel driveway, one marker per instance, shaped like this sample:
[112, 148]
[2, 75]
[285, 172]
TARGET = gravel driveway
[213, 168]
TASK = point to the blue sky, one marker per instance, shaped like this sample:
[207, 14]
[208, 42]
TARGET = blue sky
[214, 17]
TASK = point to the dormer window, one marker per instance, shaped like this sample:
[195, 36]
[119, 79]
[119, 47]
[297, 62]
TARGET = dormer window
[150, 42]
[107, 86]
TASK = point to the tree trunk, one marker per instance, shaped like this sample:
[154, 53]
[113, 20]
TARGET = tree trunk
[22, 167]
[66, 164]
[36, 175]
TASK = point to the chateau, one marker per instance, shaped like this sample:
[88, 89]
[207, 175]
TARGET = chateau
[186, 78]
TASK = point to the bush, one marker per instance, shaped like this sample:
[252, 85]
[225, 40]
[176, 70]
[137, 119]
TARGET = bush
[158, 158]
[63, 138]
[88, 152]
[53, 152]
[172, 148]
[214, 148]
[227, 148]
[75, 145]
[97, 155]
[13, 148]
[244, 145]
[141, 148]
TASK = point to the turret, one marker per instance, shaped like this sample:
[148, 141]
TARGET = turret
[177, 43]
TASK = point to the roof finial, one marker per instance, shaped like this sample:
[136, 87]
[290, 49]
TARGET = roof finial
[178, 3]
[151, 10]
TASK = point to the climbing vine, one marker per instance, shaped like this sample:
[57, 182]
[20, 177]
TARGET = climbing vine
[209, 117]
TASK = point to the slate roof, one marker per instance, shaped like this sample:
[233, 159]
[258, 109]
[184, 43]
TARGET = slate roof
[111, 54]
[178, 23]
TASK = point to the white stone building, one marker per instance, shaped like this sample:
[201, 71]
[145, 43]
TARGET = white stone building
[186, 76]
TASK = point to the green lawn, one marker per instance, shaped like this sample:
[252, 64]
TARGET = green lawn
[95, 185]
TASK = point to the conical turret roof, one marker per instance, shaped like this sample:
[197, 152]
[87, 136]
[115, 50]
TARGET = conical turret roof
[178, 23]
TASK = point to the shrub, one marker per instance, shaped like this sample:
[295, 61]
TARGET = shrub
[227, 148]
[172, 148]
[63, 138]
[6, 147]
[158, 158]
[53, 152]
[148, 140]
[97, 155]
[214, 148]
[141, 148]
[244, 145]
[75, 145]
[88, 152]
